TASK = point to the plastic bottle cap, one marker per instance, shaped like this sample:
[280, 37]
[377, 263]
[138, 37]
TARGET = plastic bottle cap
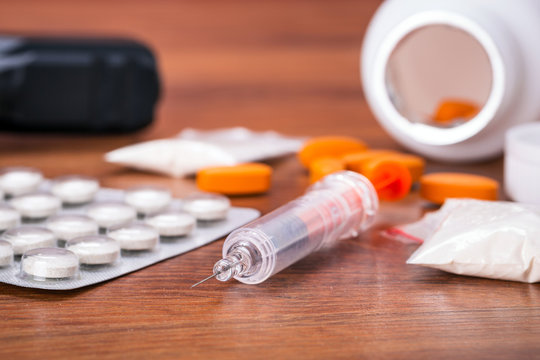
[94, 249]
[391, 179]
[522, 163]
[111, 214]
[27, 238]
[75, 189]
[172, 223]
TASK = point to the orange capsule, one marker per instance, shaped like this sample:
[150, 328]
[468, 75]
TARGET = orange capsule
[355, 161]
[449, 110]
[329, 146]
[243, 179]
[437, 187]
[321, 167]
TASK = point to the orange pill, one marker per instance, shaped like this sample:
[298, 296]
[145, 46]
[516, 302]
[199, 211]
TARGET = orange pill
[321, 167]
[243, 179]
[437, 187]
[355, 161]
[329, 146]
[449, 110]
[414, 163]
[391, 179]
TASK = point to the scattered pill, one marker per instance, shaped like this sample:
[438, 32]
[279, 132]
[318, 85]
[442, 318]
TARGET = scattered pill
[67, 227]
[6, 253]
[9, 217]
[329, 146]
[111, 214]
[321, 167]
[75, 189]
[437, 187]
[207, 207]
[244, 179]
[49, 263]
[94, 249]
[148, 199]
[355, 161]
[392, 180]
[414, 163]
[172, 223]
[136, 237]
[15, 181]
[27, 238]
[36, 206]
[450, 110]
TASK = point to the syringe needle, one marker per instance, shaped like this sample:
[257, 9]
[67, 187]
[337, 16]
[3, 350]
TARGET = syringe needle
[208, 278]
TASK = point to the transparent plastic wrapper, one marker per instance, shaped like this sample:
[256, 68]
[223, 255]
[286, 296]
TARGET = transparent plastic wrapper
[498, 240]
[194, 149]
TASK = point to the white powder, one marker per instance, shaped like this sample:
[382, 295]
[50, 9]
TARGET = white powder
[20, 180]
[6, 253]
[75, 189]
[9, 217]
[136, 237]
[172, 223]
[27, 238]
[36, 206]
[110, 214]
[207, 206]
[148, 199]
[95, 249]
[52, 263]
[67, 227]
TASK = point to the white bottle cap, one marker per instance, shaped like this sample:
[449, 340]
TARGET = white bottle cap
[136, 237]
[27, 238]
[172, 223]
[49, 263]
[522, 163]
[15, 181]
[9, 217]
[111, 214]
[6, 253]
[75, 189]
[67, 227]
[148, 199]
[206, 206]
[36, 206]
[94, 249]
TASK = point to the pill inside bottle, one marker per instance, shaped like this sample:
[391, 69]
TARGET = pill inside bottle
[9, 217]
[49, 263]
[94, 249]
[136, 237]
[67, 227]
[36, 206]
[75, 189]
[6, 253]
[27, 238]
[15, 181]
[148, 199]
[207, 206]
[111, 214]
[172, 223]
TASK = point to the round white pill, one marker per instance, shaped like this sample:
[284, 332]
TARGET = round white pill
[27, 238]
[111, 214]
[9, 217]
[206, 206]
[148, 199]
[52, 263]
[36, 206]
[94, 249]
[15, 181]
[75, 189]
[172, 223]
[6, 253]
[67, 227]
[136, 237]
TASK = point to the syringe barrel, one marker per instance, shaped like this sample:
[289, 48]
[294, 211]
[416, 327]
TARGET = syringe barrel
[338, 206]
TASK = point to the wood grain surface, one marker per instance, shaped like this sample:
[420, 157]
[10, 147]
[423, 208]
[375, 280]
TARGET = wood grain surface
[290, 66]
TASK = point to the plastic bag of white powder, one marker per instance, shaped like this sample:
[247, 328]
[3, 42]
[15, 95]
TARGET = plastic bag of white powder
[498, 240]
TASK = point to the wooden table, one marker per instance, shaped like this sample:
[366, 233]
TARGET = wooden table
[291, 66]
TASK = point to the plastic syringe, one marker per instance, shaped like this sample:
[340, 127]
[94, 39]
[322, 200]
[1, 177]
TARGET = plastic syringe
[338, 206]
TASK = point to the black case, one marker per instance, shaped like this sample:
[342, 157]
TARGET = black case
[76, 84]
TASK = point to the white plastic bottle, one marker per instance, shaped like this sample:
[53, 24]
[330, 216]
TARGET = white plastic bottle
[419, 53]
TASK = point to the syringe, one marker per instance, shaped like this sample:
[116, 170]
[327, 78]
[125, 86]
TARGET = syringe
[338, 206]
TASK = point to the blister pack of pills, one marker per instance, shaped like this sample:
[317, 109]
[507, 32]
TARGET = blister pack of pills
[68, 233]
